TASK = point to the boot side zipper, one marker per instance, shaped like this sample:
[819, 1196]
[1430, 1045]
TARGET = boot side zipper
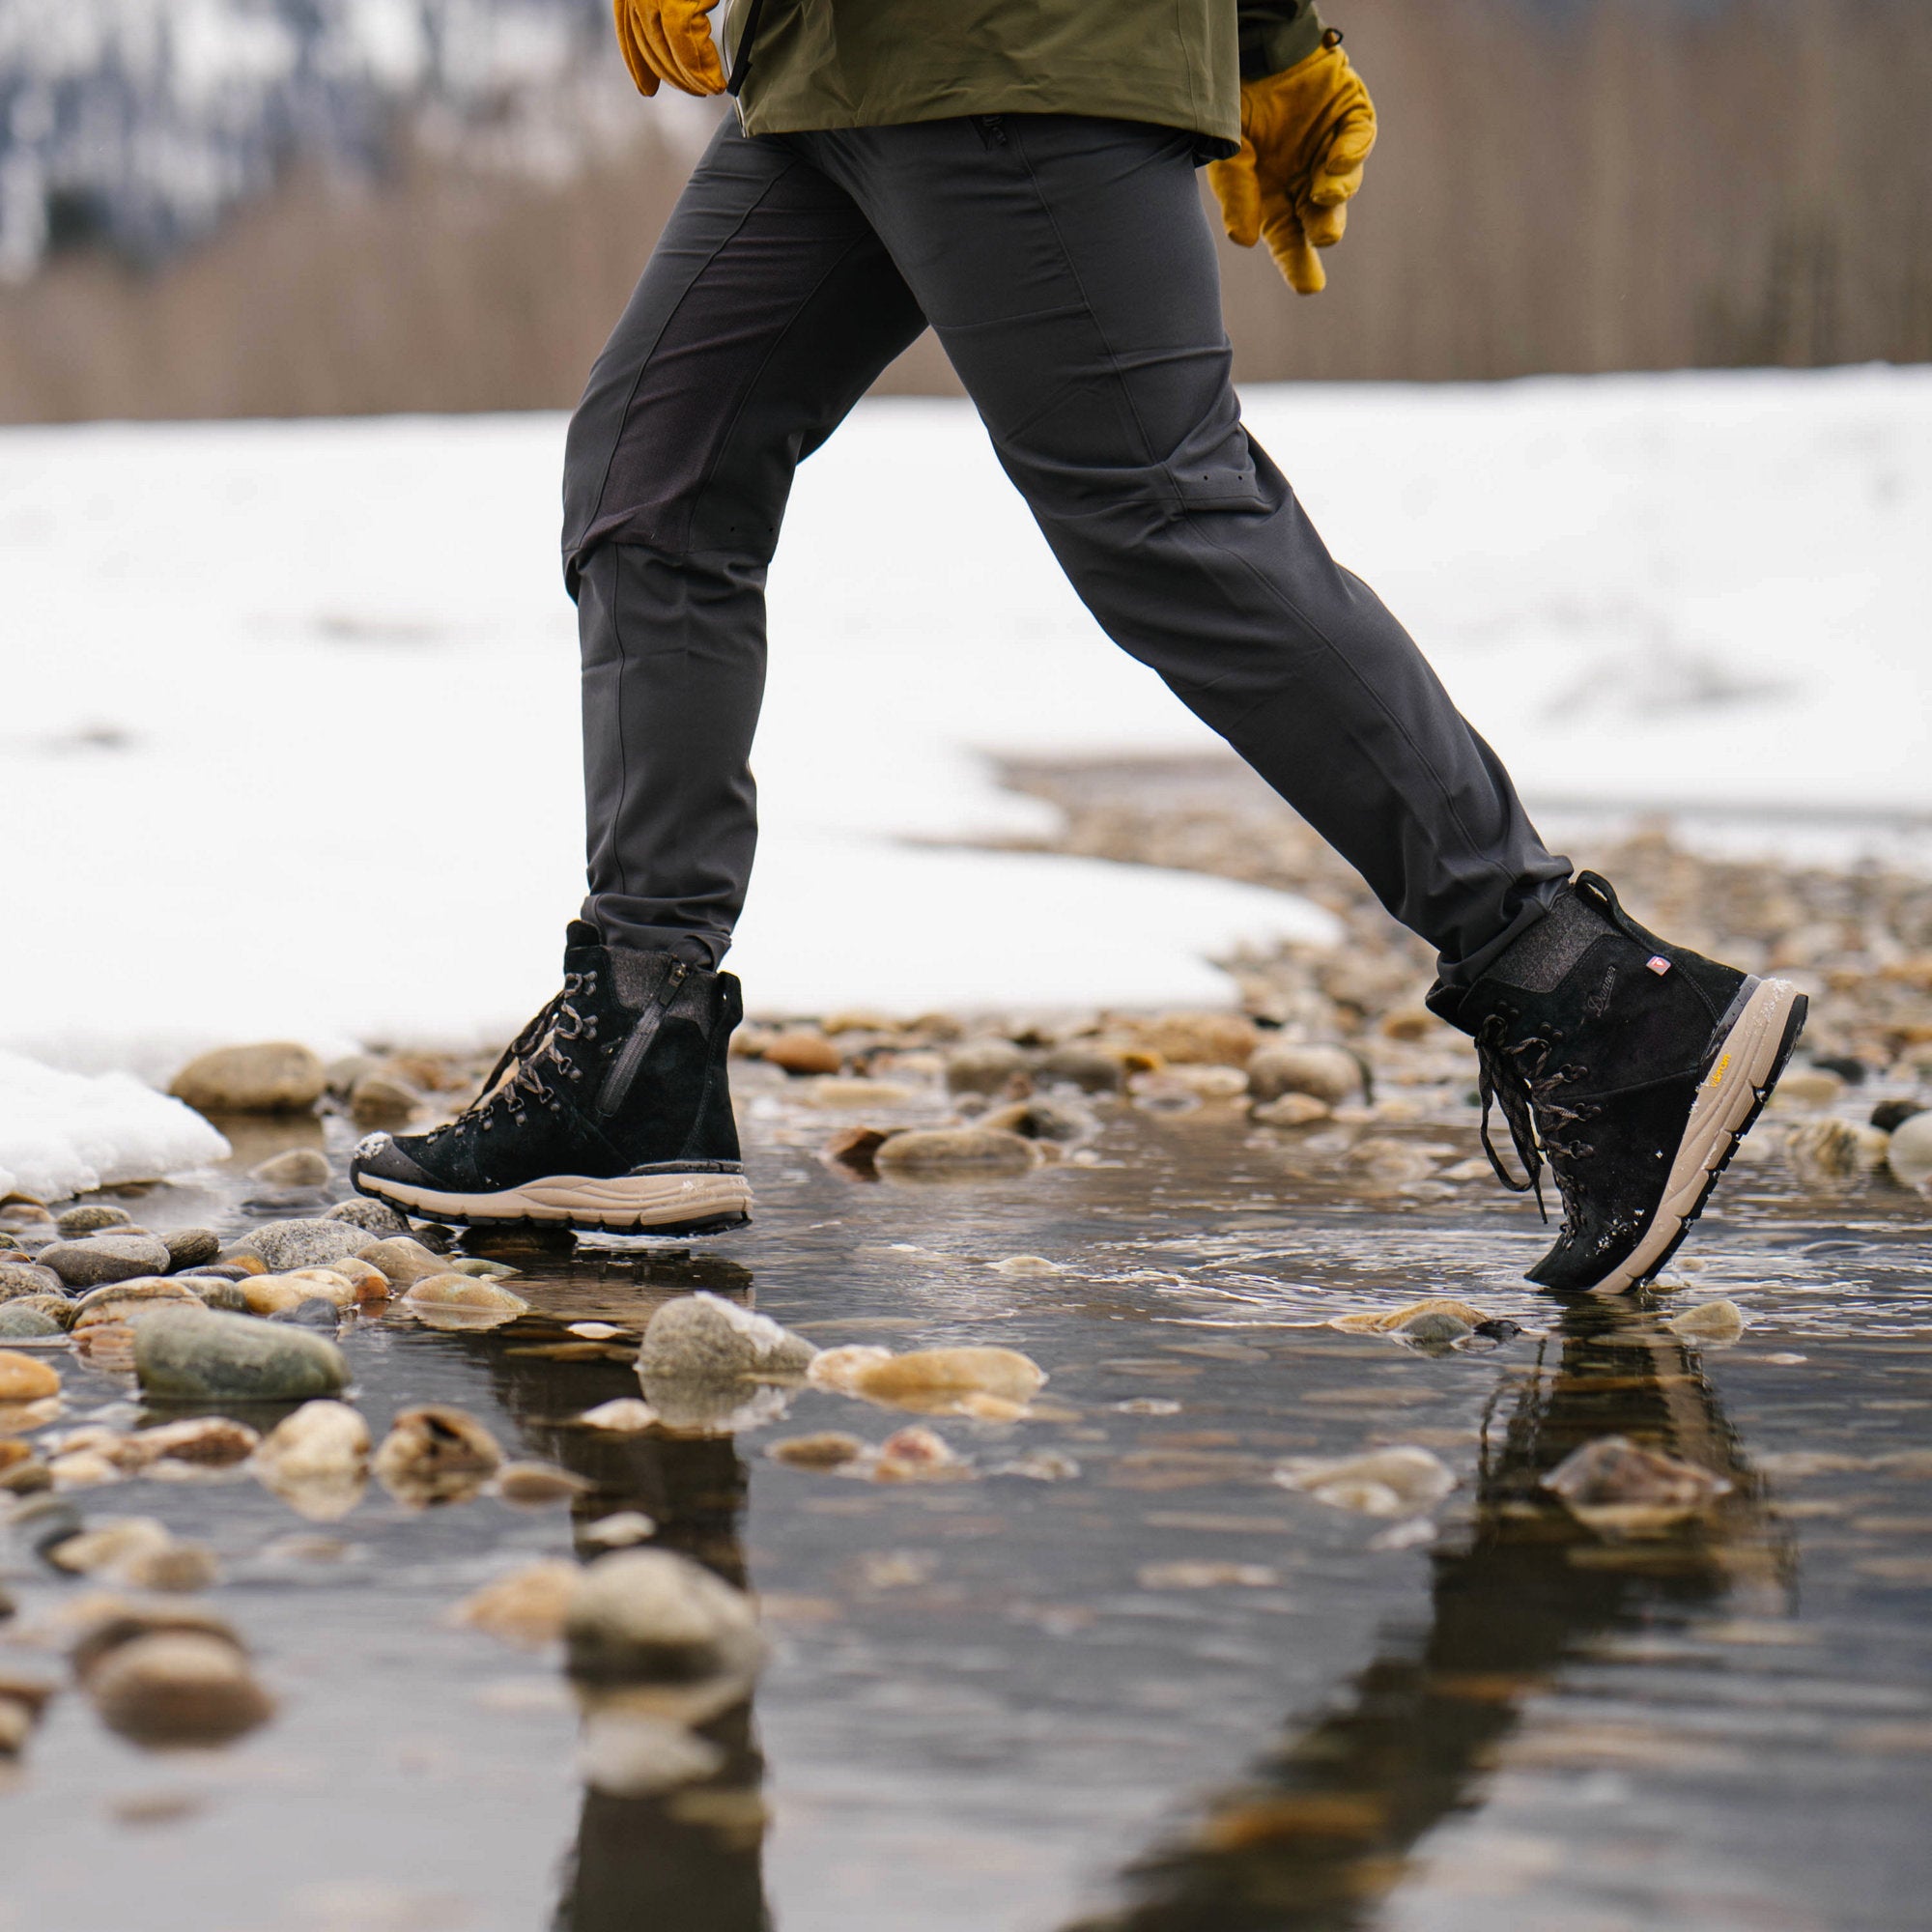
[624, 1069]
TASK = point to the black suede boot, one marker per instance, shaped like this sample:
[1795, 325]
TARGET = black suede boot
[610, 1110]
[1634, 1066]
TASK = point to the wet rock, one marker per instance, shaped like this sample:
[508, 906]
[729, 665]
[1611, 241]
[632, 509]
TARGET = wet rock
[91, 1218]
[827, 1449]
[215, 1290]
[287, 1245]
[23, 1695]
[835, 1092]
[1387, 1321]
[967, 1154]
[178, 1688]
[312, 1312]
[481, 1267]
[532, 1485]
[1381, 1164]
[983, 1066]
[403, 1262]
[1827, 1152]
[122, 1300]
[1710, 1322]
[1434, 1328]
[1617, 1488]
[1889, 1116]
[1027, 1264]
[176, 1567]
[382, 1099]
[96, 1259]
[1402, 1481]
[316, 1459]
[20, 1278]
[435, 1454]
[1290, 1110]
[1809, 1086]
[915, 1455]
[841, 1368]
[365, 1284]
[1040, 1465]
[1330, 1073]
[195, 1355]
[625, 1416]
[1910, 1152]
[1210, 1083]
[525, 1607]
[1199, 1038]
[108, 1546]
[856, 1151]
[297, 1167]
[460, 1300]
[199, 1443]
[705, 1338]
[938, 1381]
[190, 1247]
[23, 1378]
[375, 1217]
[803, 1052]
[1162, 1092]
[274, 1077]
[1044, 1120]
[283, 1293]
[652, 1618]
[19, 1322]
[1093, 1069]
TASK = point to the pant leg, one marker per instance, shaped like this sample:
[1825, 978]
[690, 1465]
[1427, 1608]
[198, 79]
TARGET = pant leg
[766, 311]
[1067, 268]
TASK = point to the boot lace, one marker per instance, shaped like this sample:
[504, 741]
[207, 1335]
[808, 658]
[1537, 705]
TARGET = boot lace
[518, 1077]
[1516, 1076]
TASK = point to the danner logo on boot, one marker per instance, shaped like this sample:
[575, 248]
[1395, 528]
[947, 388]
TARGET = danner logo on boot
[1658, 964]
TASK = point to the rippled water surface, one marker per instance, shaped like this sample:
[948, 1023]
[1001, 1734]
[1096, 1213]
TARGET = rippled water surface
[999, 1703]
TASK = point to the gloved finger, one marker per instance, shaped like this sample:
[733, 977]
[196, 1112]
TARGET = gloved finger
[1237, 189]
[1339, 172]
[1287, 243]
[1323, 226]
[688, 35]
[641, 71]
[651, 42]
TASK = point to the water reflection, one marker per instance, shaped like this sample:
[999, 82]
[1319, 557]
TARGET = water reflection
[1323, 1828]
[691, 1856]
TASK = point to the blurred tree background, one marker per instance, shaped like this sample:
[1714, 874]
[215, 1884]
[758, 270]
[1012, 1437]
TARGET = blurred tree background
[281, 207]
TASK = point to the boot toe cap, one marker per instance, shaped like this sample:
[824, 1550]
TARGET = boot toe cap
[381, 1157]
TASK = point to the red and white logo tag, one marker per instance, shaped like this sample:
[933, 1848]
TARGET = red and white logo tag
[1658, 964]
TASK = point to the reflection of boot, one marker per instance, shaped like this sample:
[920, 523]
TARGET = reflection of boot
[610, 1110]
[1636, 1066]
[1321, 1831]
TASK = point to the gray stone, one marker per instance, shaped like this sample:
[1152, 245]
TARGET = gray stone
[705, 1338]
[105, 1258]
[189, 1247]
[91, 1218]
[376, 1216]
[955, 1154]
[1330, 1073]
[21, 1322]
[53, 1304]
[1434, 1325]
[983, 1066]
[288, 1245]
[277, 1077]
[194, 1354]
[1090, 1068]
[314, 1313]
[216, 1291]
[403, 1262]
[19, 1277]
[297, 1167]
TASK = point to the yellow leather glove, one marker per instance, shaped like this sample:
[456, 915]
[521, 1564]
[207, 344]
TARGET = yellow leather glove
[669, 40]
[1305, 134]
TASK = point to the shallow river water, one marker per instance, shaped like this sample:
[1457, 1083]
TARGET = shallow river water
[1137, 1684]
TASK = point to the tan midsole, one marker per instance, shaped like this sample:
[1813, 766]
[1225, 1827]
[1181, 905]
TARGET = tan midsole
[620, 1201]
[1724, 1101]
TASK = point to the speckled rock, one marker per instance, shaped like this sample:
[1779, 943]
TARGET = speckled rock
[462, 1301]
[956, 1153]
[122, 1300]
[20, 1321]
[193, 1353]
[275, 1077]
[294, 1167]
[287, 1245]
[190, 1247]
[91, 1218]
[103, 1258]
[705, 1338]
[378, 1217]
[403, 1262]
[22, 1277]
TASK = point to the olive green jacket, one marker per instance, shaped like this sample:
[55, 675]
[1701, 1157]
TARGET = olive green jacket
[798, 64]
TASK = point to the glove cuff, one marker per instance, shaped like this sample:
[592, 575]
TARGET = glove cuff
[1270, 46]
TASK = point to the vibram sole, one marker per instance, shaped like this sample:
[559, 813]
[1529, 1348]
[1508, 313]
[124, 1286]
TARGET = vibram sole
[660, 1201]
[1744, 1069]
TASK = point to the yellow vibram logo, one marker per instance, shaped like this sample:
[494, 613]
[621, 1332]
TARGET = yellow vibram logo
[1716, 1078]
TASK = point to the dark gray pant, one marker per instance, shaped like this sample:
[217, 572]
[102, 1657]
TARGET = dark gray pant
[1068, 270]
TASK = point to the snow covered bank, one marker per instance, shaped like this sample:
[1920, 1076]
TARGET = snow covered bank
[63, 1133]
[291, 741]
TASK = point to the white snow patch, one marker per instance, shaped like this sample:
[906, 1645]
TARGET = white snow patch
[64, 1133]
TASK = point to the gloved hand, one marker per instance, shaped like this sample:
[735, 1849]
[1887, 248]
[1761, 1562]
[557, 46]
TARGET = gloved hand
[1305, 134]
[669, 40]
